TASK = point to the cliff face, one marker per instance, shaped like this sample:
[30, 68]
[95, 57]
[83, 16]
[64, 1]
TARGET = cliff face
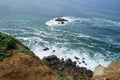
[112, 72]
[19, 63]
[24, 67]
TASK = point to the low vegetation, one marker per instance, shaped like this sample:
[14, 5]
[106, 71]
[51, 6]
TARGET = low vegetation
[7, 41]
[23, 50]
[63, 78]
[5, 54]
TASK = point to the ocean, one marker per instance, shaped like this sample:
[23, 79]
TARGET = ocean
[92, 32]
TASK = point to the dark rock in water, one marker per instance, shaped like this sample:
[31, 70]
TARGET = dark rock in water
[83, 58]
[60, 46]
[49, 58]
[61, 19]
[62, 22]
[76, 58]
[45, 49]
[62, 59]
[83, 61]
[85, 64]
[79, 62]
[53, 51]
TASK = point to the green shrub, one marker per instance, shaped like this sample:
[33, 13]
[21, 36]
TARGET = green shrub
[23, 50]
[62, 78]
[1, 58]
[7, 41]
[75, 78]
[8, 54]
[2, 36]
[10, 42]
[1, 55]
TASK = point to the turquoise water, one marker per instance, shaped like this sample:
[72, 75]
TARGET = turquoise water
[93, 30]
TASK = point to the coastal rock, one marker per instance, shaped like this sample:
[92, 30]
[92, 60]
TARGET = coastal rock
[61, 19]
[49, 58]
[68, 66]
[99, 70]
[111, 72]
[76, 58]
[45, 49]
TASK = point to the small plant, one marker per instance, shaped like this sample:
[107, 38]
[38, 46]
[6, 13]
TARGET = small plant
[83, 79]
[60, 73]
[75, 78]
[23, 50]
[8, 54]
[2, 36]
[1, 55]
[62, 78]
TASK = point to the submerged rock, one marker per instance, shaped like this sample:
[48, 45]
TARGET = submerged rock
[76, 58]
[45, 49]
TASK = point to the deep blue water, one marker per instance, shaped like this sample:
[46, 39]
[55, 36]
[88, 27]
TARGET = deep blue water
[93, 32]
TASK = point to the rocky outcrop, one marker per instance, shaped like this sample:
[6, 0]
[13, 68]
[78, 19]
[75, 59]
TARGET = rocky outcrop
[60, 19]
[68, 67]
[99, 70]
[112, 72]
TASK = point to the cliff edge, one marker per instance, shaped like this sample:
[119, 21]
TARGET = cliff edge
[17, 62]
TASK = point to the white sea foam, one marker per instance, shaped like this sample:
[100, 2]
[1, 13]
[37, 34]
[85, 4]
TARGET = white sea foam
[52, 22]
[93, 21]
[64, 52]
[67, 53]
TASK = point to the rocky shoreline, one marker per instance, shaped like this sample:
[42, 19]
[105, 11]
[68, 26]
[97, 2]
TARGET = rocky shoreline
[68, 67]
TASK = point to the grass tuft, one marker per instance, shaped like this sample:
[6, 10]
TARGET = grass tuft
[23, 50]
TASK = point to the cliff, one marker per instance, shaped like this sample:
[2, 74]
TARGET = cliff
[19, 63]
[111, 72]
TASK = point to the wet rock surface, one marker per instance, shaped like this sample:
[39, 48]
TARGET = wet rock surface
[60, 19]
[45, 49]
[68, 66]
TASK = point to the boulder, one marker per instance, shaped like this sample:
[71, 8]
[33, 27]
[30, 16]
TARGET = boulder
[61, 19]
[99, 70]
[45, 49]
[50, 58]
[76, 58]
[111, 72]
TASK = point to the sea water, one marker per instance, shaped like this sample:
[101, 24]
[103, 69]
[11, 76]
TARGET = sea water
[92, 32]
